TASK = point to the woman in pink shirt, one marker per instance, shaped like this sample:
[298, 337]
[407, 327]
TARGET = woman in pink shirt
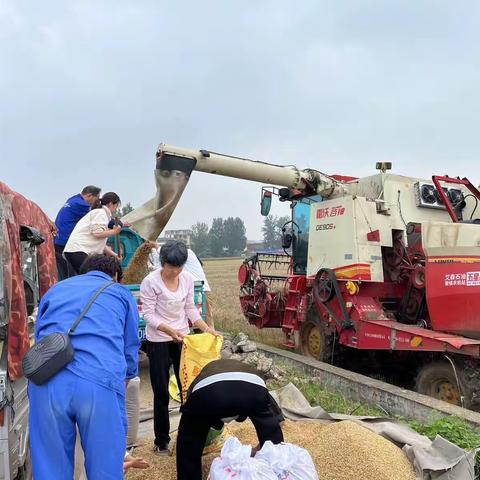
[167, 296]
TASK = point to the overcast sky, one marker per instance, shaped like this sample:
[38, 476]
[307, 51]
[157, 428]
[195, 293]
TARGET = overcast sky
[90, 88]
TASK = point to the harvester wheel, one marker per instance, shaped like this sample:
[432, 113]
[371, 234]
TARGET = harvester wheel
[438, 380]
[314, 340]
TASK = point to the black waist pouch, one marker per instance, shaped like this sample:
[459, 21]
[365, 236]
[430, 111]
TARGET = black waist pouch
[53, 352]
[47, 357]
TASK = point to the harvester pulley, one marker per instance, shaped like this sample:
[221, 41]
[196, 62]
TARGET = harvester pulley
[324, 287]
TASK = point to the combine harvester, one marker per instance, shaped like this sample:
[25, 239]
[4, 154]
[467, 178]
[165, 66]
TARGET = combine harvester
[386, 264]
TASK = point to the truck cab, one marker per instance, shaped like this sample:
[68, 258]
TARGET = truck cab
[26, 249]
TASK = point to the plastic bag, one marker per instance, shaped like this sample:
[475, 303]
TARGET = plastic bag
[132, 406]
[236, 463]
[288, 461]
[215, 441]
[197, 351]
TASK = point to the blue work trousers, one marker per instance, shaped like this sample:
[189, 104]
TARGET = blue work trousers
[60, 405]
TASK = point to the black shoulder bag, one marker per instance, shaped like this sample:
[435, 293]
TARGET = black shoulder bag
[55, 351]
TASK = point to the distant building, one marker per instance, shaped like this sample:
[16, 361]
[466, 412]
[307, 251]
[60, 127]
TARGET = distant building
[253, 247]
[184, 236]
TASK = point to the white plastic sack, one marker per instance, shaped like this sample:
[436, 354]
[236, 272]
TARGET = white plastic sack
[288, 461]
[132, 405]
[236, 463]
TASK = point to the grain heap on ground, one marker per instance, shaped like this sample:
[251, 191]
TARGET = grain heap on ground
[340, 451]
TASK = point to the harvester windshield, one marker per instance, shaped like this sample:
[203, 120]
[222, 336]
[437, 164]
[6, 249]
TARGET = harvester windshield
[301, 229]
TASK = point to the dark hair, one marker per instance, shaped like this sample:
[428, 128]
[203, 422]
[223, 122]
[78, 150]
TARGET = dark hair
[102, 263]
[110, 197]
[173, 253]
[91, 190]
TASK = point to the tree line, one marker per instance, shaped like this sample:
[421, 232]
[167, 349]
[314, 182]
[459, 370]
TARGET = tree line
[272, 231]
[227, 237]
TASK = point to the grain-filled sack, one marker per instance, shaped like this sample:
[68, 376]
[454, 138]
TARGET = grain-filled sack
[132, 405]
[288, 461]
[197, 351]
[235, 462]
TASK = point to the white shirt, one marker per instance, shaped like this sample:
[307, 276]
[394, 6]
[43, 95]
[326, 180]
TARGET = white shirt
[193, 267]
[82, 240]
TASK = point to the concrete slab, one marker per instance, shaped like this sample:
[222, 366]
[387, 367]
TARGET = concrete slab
[392, 399]
[145, 430]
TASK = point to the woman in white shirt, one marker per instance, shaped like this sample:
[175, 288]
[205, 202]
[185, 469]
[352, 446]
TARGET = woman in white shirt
[91, 233]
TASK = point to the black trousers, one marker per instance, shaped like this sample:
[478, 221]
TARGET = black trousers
[75, 259]
[161, 355]
[63, 268]
[205, 408]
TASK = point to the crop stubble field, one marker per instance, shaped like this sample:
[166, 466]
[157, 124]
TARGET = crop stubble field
[227, 314]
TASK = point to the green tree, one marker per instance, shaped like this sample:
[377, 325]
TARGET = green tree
[281, 221]
[200, 239]
[216, 238]
[127, 208]
[234, 236]
[272, 231]
[269, 231]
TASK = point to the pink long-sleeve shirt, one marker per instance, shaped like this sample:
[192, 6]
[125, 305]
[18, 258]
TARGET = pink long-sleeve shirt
[161, 305]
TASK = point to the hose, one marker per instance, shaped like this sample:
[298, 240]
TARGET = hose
[462, 398]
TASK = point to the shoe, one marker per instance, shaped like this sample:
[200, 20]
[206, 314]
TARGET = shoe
[163, 450]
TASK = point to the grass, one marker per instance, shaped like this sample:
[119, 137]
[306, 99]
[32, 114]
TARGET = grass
[316, 394]
[452, 428]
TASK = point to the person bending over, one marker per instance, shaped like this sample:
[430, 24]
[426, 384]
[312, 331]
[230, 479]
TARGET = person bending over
[225, 390]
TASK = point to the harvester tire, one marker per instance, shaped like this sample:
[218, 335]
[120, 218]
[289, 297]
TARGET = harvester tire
[438, 380]
[315, 342]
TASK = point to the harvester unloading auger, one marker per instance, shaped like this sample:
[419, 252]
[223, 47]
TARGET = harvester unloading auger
[175, 165]
[384, 263]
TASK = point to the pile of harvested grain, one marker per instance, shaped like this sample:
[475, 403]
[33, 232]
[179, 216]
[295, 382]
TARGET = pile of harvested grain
[347, 450]
[340, 451]
[137, 269]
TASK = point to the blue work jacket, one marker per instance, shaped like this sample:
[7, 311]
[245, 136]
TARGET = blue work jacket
[106, 340]
[68, 216]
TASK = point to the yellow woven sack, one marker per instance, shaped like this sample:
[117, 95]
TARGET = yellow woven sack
[173, 389]
[198, 350]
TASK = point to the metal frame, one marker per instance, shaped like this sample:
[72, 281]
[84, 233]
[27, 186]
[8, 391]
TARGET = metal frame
[456, 181]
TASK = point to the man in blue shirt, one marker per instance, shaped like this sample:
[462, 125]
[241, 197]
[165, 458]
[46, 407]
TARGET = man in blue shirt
[68, 216]
[90, 392]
